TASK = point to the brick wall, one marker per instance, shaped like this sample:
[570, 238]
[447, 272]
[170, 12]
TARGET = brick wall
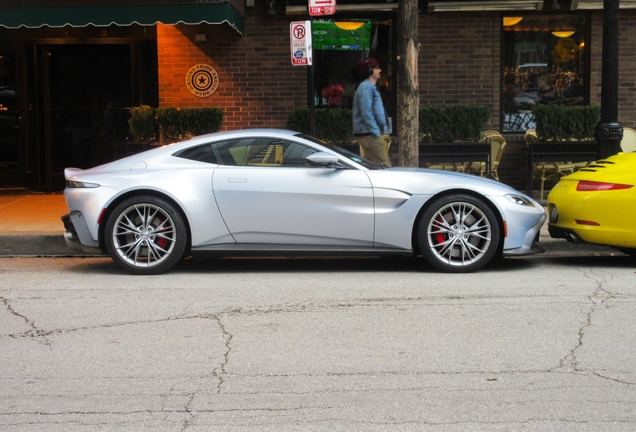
[459, 60]
[258, 86]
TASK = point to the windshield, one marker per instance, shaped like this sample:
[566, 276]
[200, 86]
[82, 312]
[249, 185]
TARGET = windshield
[344, 152]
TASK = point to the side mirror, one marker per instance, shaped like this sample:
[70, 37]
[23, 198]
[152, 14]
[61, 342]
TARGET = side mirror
[322, 159]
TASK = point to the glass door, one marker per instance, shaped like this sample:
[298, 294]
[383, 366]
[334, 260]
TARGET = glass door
[11, 166]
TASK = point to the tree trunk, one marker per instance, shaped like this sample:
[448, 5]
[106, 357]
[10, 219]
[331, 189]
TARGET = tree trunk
[408, 96]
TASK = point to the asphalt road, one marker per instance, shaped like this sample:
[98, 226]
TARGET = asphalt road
[529, 344]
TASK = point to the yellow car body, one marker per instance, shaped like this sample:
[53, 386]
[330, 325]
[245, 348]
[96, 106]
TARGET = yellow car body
[597, 204]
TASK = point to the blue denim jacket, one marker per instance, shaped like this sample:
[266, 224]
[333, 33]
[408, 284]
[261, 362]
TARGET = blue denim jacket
[368, 111]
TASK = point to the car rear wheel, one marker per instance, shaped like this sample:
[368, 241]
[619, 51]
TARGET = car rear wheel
[628, 251]
[145, 235]
[458, 233]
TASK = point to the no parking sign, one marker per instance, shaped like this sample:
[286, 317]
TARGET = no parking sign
[300, 37]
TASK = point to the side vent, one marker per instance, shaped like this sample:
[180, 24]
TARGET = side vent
[596, 166]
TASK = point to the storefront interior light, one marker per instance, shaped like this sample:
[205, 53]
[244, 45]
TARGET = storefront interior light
[563, 33]
[349, 25]
[510, 21]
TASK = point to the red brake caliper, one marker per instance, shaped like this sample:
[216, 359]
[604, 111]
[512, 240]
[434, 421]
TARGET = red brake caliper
[162, 242]
[439, 236]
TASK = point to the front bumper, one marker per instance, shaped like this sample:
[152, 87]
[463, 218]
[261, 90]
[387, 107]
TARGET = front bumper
[77, 236]
[531, 243]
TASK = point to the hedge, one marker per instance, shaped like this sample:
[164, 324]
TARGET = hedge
[558, 122]
[175, 124]
[452, 123]
[332, 124]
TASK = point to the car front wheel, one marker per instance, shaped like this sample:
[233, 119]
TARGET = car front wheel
[145, 235]
[458, 234]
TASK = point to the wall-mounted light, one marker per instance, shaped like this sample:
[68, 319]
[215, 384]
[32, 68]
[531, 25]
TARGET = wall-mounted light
[270, 7]
[249, 3]
[510, 21]
[200, 37]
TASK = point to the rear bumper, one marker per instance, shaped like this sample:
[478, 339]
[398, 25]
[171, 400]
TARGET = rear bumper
[565, 233]
[77, 237]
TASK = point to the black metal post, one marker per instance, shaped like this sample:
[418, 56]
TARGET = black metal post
[311, 100]
[609, 131]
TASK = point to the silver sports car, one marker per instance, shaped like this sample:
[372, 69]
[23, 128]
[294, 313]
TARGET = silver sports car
[281, 193]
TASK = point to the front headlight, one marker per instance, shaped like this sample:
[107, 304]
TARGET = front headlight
[519, 199]
[72, 184]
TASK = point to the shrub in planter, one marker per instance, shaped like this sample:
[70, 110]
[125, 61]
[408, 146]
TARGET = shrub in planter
[559, 123]
[332, 125]
[176, 124]
[142, 123]
[452, 123]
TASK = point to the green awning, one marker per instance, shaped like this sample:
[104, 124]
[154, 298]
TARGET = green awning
[123, 15]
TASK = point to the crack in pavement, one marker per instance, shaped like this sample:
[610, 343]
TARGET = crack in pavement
[598, 299]
[35, 333]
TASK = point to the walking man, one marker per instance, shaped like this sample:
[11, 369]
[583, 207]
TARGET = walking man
[369, 117]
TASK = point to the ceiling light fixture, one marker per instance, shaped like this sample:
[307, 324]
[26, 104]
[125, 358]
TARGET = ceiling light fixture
[270, 8]
[510, 21]
[563, 33]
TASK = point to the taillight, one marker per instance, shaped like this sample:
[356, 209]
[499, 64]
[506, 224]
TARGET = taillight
[590, 186]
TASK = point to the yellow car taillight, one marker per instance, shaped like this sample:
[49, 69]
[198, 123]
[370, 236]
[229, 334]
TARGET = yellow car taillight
[591, 186]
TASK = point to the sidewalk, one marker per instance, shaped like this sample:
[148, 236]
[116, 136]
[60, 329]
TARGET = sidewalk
[31, 225]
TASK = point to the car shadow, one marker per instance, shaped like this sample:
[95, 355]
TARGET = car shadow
[355, 264]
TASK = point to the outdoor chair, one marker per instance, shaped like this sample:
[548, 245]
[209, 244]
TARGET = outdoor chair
[547, 170]
[628, 143]
[497, 145]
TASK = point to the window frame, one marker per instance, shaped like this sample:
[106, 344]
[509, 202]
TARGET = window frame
[585, 73]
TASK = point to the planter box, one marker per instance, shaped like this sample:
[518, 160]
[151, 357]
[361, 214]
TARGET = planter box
[455, 152]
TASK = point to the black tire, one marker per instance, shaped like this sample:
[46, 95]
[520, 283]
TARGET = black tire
[631, 252]
[145, 235]
[458, 248]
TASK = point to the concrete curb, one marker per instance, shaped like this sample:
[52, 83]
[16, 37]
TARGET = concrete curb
[35, 245]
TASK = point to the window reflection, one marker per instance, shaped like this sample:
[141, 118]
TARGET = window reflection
[544, 63]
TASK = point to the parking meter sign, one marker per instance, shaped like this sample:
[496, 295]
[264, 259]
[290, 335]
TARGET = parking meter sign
[300, 37]
[322, 7]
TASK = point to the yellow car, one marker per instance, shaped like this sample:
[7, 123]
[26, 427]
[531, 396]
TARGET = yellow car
[597, 204]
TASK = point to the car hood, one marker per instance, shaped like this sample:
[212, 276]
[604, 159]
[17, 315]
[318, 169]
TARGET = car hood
[431, 181]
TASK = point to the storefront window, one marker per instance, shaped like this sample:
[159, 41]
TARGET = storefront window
[338, 46]
[544, 62]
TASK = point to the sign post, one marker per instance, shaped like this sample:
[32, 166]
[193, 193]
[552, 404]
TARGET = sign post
[301, 55]
[300, 37]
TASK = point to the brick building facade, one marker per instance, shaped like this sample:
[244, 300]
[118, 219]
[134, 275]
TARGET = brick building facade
[460, 62]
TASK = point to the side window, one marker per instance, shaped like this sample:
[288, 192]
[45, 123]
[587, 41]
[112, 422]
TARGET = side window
[202, 153]
[262, 152]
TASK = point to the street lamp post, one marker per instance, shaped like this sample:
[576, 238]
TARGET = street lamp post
[609, 131]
